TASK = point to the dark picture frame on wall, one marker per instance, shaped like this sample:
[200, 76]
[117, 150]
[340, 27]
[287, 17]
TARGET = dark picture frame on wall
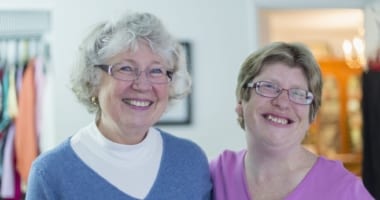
[181, 112]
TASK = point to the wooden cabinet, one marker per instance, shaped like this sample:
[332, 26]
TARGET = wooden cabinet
[336, 132]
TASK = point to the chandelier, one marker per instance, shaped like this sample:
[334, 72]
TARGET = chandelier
[354, 53]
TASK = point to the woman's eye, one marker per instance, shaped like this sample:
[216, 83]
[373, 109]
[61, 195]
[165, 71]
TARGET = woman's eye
[157, 71]
[126, 68]
[299, 93]
[270, 86]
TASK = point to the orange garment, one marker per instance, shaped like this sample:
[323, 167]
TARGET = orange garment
[26, 142]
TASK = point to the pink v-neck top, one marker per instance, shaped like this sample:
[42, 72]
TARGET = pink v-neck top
[327, 179]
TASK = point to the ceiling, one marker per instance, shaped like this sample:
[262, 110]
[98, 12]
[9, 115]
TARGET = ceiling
[311, 4]
[323, 19]
[324, 29]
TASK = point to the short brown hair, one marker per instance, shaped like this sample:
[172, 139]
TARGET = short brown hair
[292, 54]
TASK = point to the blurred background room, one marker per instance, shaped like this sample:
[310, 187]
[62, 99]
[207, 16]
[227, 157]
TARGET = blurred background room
[38, 109]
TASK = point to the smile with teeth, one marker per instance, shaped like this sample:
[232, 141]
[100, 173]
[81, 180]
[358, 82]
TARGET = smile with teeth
[277, 120]
[138, 103]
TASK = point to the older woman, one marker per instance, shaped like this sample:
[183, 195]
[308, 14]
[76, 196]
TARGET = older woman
[129, 70]
[278, 96]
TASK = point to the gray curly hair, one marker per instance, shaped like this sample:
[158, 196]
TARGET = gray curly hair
[110, 38]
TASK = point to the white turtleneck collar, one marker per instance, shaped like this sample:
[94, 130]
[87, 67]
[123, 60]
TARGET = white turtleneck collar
[114, 161]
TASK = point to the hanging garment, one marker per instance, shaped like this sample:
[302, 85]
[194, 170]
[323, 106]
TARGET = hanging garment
[12, 94]
[41, 106]
[371, 132]
[26, 142]
[7, 189]
[5, 118]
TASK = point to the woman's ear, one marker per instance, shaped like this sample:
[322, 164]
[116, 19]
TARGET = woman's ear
[239, 112]
[239, 109]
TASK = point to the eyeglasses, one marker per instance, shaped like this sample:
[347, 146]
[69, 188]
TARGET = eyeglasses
[124, 72]
[272, 90]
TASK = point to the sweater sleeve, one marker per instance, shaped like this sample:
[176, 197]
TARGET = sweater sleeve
[38, 188]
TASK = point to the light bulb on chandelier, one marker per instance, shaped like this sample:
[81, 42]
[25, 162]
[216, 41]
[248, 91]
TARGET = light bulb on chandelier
[354, 53]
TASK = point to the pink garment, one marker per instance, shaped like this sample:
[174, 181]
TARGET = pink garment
[326, 180]
[39, 77]
[8, 175]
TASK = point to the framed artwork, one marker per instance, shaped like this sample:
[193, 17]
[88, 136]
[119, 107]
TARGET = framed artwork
[181, 112]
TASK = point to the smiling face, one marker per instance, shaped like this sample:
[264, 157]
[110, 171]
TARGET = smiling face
[129, 108]
[276, 122]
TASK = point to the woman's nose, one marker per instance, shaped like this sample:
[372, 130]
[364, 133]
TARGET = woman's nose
[141, 81]
[282, 99]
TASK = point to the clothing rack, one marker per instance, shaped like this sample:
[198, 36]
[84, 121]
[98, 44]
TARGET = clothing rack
[24, 51]
[23, 25]
[16, 50]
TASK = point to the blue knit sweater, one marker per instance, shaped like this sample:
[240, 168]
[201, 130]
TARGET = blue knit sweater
[61, 174]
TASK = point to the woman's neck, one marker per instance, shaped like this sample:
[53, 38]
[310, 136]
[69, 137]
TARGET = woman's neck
[269, 162]
[280, 172]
